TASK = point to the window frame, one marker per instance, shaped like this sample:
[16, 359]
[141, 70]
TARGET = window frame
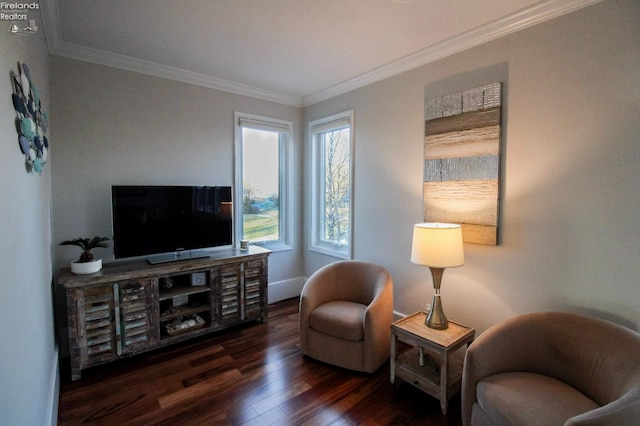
[284, 127]
[316, 242]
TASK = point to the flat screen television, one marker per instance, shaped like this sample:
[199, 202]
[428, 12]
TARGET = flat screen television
[168, 223]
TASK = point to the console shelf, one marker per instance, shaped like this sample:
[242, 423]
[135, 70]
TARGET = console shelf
[185, 310]
[181, 291]
[133, 307]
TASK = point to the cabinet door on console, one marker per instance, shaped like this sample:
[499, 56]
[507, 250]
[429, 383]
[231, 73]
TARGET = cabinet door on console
[138, 315]
[95, 332]
[254, 295]
[228, 295]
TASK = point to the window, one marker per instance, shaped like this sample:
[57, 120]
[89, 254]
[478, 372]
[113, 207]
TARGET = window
[261, 207]
[332, 164]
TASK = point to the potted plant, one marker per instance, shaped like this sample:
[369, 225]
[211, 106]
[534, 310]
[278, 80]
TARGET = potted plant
[86, 264]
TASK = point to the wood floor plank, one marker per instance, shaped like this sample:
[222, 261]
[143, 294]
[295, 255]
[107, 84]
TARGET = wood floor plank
[201, 389]
[249, 375]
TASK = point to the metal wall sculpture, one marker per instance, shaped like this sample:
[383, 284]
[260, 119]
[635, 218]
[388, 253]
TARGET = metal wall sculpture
[31, 120]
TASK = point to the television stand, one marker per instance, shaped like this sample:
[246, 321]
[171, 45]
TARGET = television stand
[133, 307]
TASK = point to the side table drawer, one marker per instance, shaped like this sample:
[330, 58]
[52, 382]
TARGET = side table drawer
[425, 378]
[417, 381]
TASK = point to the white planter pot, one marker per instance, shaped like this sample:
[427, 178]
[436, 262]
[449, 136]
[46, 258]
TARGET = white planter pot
[86, 267]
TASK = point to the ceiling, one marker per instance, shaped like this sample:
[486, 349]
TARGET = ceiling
[295, 52]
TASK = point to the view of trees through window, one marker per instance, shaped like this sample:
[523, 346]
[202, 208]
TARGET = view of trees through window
[261, 185]
[337, 181]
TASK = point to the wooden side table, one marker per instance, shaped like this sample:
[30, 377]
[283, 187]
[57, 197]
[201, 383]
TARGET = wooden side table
[426, 365]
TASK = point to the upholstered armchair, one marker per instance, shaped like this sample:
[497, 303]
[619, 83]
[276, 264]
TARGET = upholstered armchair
[553, 369]
[346, 309]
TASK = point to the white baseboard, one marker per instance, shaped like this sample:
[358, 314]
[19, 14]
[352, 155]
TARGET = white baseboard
[286, 289]
[54, 389]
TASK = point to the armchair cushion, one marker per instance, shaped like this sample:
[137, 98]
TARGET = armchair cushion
[507, 398]
[339, 319]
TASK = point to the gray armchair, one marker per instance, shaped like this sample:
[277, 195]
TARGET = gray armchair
[553, 369]
[346, 309]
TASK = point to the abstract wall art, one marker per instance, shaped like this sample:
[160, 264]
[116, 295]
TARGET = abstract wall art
[462, 161]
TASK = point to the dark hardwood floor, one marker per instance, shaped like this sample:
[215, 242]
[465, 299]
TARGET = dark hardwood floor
[253, 375]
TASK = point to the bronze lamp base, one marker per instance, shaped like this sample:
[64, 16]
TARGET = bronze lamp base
[436, 318]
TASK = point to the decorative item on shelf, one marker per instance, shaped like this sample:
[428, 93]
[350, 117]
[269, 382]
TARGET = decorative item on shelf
[31, 120]
[438, 246]
[244, 244]
[184, 324]
[180, 300]
[86, 264]
[167, 282]
[198, 279]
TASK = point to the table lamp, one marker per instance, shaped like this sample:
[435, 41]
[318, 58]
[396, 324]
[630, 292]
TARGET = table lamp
[438, 246]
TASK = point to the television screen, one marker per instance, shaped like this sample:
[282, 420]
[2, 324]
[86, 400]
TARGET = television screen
[150, 220]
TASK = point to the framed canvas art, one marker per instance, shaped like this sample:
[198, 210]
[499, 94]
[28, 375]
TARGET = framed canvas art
[462, 161]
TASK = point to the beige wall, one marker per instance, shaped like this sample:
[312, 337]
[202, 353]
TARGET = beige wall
[116, 127]
[28, 352]
[570, 218]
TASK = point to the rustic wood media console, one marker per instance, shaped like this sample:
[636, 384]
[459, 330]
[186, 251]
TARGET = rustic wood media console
[133, 307]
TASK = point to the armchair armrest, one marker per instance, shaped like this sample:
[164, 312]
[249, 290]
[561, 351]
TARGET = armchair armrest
[377, 323]
[313, 294]
[622, 411]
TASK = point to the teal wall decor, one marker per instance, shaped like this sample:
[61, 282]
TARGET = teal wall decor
[31, 120]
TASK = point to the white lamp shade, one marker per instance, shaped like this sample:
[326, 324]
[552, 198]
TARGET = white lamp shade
[438, 245]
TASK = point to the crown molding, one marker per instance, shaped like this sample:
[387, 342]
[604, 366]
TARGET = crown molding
[57, 47]
[525, 18]
[158, 70]
[540, 12]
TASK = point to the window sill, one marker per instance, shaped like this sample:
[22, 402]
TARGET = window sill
[274, 247]
[329, 252]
